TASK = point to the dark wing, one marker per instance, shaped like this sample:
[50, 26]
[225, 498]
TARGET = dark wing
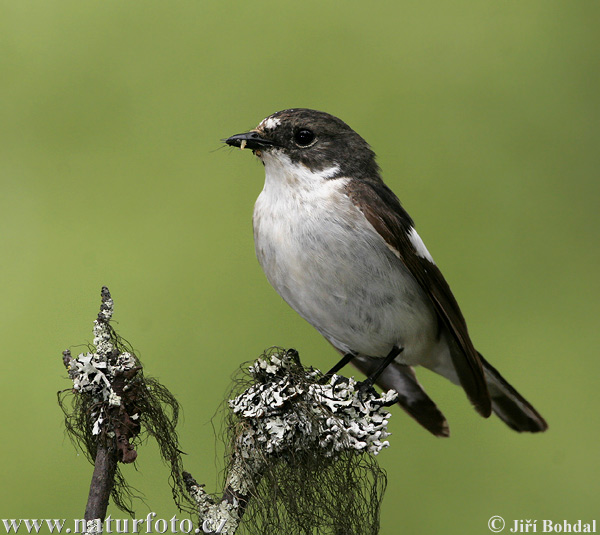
[384, 211]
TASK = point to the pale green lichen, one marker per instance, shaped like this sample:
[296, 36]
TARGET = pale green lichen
[290, 413]
[337, 415]
[215, 517]
[94, 373]
[93, 527]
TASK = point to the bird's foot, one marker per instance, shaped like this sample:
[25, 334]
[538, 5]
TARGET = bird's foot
[365, 390]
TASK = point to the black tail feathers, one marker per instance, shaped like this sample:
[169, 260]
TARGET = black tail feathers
[510, 406]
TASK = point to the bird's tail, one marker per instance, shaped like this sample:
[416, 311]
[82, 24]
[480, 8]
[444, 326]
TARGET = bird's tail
[507, 403]
[510, 406]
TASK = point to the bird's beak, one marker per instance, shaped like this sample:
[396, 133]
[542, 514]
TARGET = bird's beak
[249, 140]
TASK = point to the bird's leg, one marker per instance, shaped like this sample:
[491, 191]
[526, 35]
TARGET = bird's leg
[343, 361]
[370, 381]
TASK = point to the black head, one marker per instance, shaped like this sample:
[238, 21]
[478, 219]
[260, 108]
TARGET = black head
[316, 139]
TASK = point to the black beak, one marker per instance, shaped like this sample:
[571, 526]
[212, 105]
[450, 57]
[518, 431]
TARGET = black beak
[250, 140]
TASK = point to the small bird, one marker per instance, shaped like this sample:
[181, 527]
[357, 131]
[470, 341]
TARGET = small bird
[337, 245]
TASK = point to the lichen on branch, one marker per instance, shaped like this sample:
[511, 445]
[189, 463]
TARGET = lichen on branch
[301, 453]
[113, 406]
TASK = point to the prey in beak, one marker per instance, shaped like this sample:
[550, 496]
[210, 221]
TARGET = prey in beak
[251, 140]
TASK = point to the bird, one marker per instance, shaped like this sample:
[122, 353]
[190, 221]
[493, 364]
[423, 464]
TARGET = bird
[337, 245]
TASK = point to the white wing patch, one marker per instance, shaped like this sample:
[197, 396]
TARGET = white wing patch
[419, 246]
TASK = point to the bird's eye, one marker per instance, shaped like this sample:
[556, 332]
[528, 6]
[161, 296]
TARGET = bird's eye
[304, 137]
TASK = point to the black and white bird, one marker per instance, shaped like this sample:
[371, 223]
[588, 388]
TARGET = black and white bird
[338, 246]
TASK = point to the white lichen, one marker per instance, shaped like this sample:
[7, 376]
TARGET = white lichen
[215, 517]
[93, 527]
[336, 415]
[94, 373]
[287, 411]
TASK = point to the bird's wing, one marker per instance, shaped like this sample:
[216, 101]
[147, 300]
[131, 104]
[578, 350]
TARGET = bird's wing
[385, 213]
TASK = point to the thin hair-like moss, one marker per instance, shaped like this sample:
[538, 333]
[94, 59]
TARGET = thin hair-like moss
[310, 485]
[156, 411]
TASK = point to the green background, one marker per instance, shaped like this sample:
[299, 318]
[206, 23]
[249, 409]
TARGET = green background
[485, 118]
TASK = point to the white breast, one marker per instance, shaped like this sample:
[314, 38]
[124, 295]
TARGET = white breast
[325, 259]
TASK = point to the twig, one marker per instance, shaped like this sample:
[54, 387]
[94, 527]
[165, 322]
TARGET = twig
[289, 425]
[102, 483]
[113, 403]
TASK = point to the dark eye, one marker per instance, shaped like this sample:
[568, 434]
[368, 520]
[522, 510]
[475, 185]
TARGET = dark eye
[304, 137]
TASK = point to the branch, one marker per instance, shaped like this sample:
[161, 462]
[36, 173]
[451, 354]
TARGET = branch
[113, 404]
[298, 442]
[102, 483]
[301, 445]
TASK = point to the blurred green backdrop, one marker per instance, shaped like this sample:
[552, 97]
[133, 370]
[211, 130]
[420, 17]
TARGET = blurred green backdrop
[485, 116]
